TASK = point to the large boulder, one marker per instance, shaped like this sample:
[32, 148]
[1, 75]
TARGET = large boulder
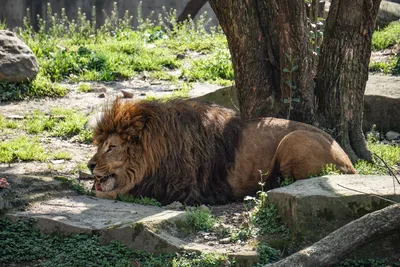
[382, 103]
[17, 61]
[388, 11]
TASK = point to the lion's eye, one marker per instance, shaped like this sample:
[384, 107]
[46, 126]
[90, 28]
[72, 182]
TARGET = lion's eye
[110, 148]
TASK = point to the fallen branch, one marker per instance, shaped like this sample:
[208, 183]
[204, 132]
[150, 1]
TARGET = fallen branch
[333, 248]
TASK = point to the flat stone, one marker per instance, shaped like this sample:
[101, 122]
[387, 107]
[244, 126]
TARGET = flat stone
[391, 135]
[313, 208]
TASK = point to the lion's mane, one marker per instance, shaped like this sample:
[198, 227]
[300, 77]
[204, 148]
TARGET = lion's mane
[181, 150]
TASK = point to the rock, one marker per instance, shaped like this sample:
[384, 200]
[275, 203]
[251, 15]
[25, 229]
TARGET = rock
[222, 96]
[176, 205]
[127, 93]
[392, 135]
[313, 208]
[225, 240]
[92, 121]
[102, 95]
[17, 61]
[382, 103]
[99, 89]
[388, 11]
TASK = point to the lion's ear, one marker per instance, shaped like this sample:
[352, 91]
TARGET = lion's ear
[137, 125]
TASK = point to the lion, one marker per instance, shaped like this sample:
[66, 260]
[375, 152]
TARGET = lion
[202, 153]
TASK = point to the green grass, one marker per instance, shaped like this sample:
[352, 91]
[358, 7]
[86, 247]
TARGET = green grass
[62, 155]
[140, 200]
[84, 88]
[77, 51]
[386, 37]
[23, 244]
[22, 149]
[389, 153]
[199, 219]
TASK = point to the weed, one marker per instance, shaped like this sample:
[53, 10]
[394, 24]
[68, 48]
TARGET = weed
[389, 153]
[391, 66]
[387, 37]
[329, 169]
[242, 234]
[203, 260]
[21, 149]
[62, 155]
[140, 200]
[199, 219]
[267, 254]
[214, 67]
[84, 88]
[285, 181]
[21, 243]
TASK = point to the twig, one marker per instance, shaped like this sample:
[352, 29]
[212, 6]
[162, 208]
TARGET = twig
[371, 194]
[390, 170]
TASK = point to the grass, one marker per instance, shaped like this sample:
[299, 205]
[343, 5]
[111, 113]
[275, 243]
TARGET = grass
[60, 122]
[141, 200]
[76, 51]
[386, 37]
[22, 149]
[199, 219]
[62, 155]
[23, 244]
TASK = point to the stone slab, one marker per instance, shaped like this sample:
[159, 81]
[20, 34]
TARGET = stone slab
[313, 208]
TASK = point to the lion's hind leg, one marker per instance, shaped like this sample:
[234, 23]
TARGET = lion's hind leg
[302, 153]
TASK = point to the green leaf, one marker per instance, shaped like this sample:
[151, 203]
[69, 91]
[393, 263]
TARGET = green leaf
[286, 101]
[297, 100]
[286, 70]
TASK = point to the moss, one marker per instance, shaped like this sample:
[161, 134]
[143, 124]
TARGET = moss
[360, 209]
[326, 214]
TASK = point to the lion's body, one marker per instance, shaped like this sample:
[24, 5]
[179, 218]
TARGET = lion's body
[194, 152]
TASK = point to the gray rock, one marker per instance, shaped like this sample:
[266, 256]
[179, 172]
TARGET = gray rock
[382, 103]
[388, 11]
[391, 135]
[92, 121]
[313, 208]
[17, 61]
[127, 93]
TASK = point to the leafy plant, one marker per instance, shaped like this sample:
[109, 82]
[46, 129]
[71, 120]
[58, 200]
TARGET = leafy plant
[140, 200]
[386, 37]
[22, 148]
[199, 219]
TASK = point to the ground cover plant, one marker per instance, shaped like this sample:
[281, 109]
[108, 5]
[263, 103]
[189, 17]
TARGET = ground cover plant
[75, 50]
[23, 244]
[387, 38]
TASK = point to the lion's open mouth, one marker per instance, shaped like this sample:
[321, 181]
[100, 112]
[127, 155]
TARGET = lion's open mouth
[105, 183]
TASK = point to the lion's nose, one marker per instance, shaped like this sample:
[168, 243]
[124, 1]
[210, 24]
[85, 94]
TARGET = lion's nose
[91, 166]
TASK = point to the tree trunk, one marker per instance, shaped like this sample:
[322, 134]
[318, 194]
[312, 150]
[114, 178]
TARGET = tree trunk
[275, 64]
[268, 41]
[343, 72]
[333, 248]
[191, 9]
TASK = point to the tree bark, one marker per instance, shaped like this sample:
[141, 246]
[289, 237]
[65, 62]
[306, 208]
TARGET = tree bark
[333, 248]
[343, 72]
[268, 41]
[191, 9]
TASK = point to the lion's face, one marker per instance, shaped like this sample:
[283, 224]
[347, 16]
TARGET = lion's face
[109, 163]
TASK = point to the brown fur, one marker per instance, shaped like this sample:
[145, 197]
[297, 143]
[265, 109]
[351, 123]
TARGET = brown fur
[194, 152]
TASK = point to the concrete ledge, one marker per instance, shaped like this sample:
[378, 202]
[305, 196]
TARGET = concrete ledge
[315, 207]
